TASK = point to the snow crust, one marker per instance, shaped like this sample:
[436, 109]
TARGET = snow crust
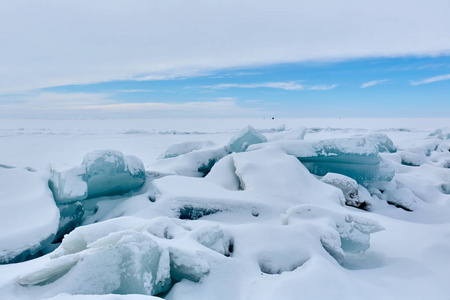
[316, 204]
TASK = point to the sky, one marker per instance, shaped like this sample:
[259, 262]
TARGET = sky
[202, 58]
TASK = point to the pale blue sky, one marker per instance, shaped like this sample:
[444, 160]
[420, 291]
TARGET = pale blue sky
[230, 59]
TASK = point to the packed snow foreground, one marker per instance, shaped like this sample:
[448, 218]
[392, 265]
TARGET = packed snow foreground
[256, 218]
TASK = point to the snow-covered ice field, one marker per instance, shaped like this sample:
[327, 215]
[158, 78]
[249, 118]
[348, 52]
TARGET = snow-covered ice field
[214, 209]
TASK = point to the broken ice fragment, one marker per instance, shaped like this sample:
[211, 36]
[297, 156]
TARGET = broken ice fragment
[71, 216]
[28, 214]
[126, 262]
[69, 186]
[244, 138]
[354, 157]
[349, 188]
[102, 173]
[110, 173]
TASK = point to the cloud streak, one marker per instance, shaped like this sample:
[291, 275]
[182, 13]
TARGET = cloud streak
[432, 79]
[373, 83]
[165, 41]
[288, 86]
[101, 105]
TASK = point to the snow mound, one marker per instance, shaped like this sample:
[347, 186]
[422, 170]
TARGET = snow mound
[354, 231]
[195, 163]
[28, 215]
[183, 148]
[383, 142]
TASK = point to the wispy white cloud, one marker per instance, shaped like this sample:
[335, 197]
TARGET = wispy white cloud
[287, 85]
[372, 83]
[432, 79]
[102, 105]
[101, 47]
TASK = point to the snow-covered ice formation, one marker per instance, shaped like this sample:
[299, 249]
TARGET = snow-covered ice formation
[349, 188]
[28, 214]
[102, 173]
[236, 216]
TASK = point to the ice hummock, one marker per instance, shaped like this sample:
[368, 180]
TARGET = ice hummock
[28, 215]
[244, 138]
[102, 173]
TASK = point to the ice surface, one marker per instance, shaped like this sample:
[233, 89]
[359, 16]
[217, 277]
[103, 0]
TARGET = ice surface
[244, 138]
[28, 215]
[349, 188]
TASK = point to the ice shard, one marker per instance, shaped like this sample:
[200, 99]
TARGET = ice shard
[244, 138]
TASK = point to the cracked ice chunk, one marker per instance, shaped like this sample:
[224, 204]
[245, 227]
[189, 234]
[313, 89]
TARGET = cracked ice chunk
[28, 215]
[69, 186]
[244, 138]
[354, 157]
[123, 262]
[71, 216]
[349, 188]
[102, 173]
[110, 173]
